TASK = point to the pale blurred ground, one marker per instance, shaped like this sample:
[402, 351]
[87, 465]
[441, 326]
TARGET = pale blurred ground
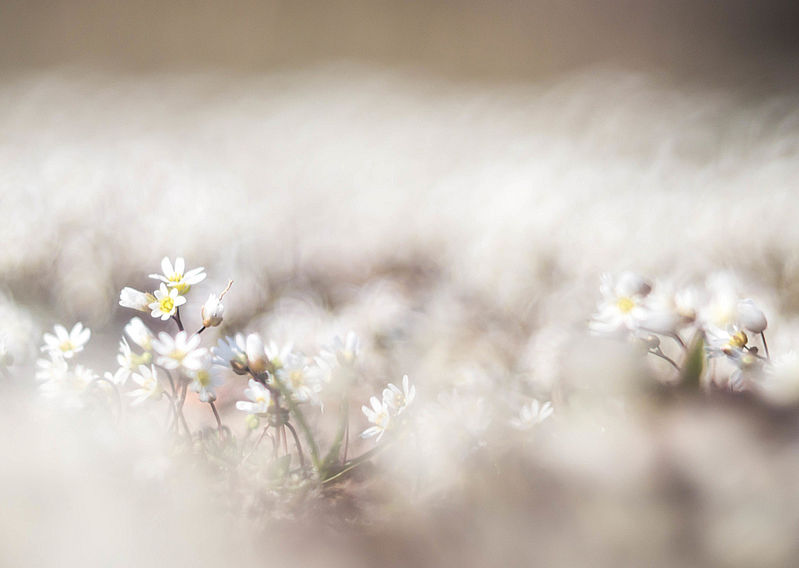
[448, 179]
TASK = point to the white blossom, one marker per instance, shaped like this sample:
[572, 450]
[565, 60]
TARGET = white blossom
[149, 386]
[532, 414]
[398, 399]
[179, 351]
[167, 302]
[379, 415]
[134, 299]
[176, 276]
[67, 343]
[258, 399]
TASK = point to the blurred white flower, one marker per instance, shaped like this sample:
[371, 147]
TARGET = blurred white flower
[139, 333]
[667, 310]
[166, 302]
[120, 376]
[149, 386]
[258, 399]
[750, 316]
[134, 299]
[721, 309]
[66, 343]
[399, 399]
[725, 341]
[344, 352]
[181, 350]
[622, 307]
[297, 376]
[379, 415]
[176, 276]
[229, 350]
[54, 367]
[205, 380]
[532, 414]
[212, 311]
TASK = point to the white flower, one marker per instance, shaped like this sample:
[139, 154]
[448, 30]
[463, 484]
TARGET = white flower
[622, 307]
[728, 341]
[179, 351]
[53, 368]
[344, 352]
[134, 299]
[398, 400]
[751, 317]
[667, 311]
[176, 277]
[66, 343]
[277, 354]
[256, 354]
[69, 387]
[120, 377]
[259, 399]
[295, 374]
[379, 415]
[212, 311]
[205, 380]
[149, 387]
[532, 414]
[166, 302]
[721, 310]
[139, 333]
[231, 350]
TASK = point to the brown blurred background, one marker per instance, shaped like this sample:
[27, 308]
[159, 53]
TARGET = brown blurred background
[751, 43]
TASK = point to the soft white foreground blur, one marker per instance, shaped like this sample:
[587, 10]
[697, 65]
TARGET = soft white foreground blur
[460, 230]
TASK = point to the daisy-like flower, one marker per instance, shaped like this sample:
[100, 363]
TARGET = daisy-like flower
[729, 341]
[205, 379]
[295, 373]
[231, 352]
[166, 302]
[668, 310]
[129, 361]
[398, 399]
[258, 399]
[379, 415]
[179, 351]
[622, 307]
[149, 386]
[343, 352]
[134, 299]
[532, 414]
[66, 343]
[53, 368]
[139, 333]
[176, 276]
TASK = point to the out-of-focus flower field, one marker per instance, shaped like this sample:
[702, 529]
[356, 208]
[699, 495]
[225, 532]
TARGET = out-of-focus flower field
[461, 231]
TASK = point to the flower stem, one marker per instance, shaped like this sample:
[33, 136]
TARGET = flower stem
[216, 415]
[303, 425]
[765, 345]
[659, 353]
[176, 317]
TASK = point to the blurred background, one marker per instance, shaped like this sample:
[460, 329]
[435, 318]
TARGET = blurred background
[448, 179]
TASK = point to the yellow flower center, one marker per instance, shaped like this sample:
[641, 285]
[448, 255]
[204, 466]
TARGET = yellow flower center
[167, 304]
[66, 346]
[738, 340]
[204, 378]
[625, 305]
[176, 281]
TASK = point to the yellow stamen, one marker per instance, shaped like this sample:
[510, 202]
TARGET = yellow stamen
[625, 305]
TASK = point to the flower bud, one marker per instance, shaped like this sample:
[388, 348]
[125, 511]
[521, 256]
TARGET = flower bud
[136, 300]
[751, 317]
[212, 311]
[256, 355]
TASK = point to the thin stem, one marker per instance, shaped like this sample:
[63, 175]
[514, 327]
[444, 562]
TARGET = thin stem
[676, 337]
[303, 425]
[355, 462]
[346, 438]
[297, 442]
[659, 353]
[176, 317]
[199, 331]
[216, 415]
[765, 345]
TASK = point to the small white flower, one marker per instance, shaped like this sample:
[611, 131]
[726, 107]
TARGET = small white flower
[729, 341]
[179, 351]
[134, 299]
[212, 311]
[176, 276]
[230, 350]
[398, 399]
[205, 380]
[139, 333]
[343, 352]
[54, 368]
[295, 373]
[166, 302]
[66, 343]
[532, 414]
[259, 399]
[379, 415]
[149, 387]
[623, 307]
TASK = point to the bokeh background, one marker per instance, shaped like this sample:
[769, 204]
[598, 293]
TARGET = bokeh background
[448, 179]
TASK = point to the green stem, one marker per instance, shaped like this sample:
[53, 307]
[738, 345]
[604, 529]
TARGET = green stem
[333, 455]
[303, 425]
[355, 462]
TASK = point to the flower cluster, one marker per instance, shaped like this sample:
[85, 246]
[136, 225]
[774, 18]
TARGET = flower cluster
[730, 328]
[59, 376]
[382, 413]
